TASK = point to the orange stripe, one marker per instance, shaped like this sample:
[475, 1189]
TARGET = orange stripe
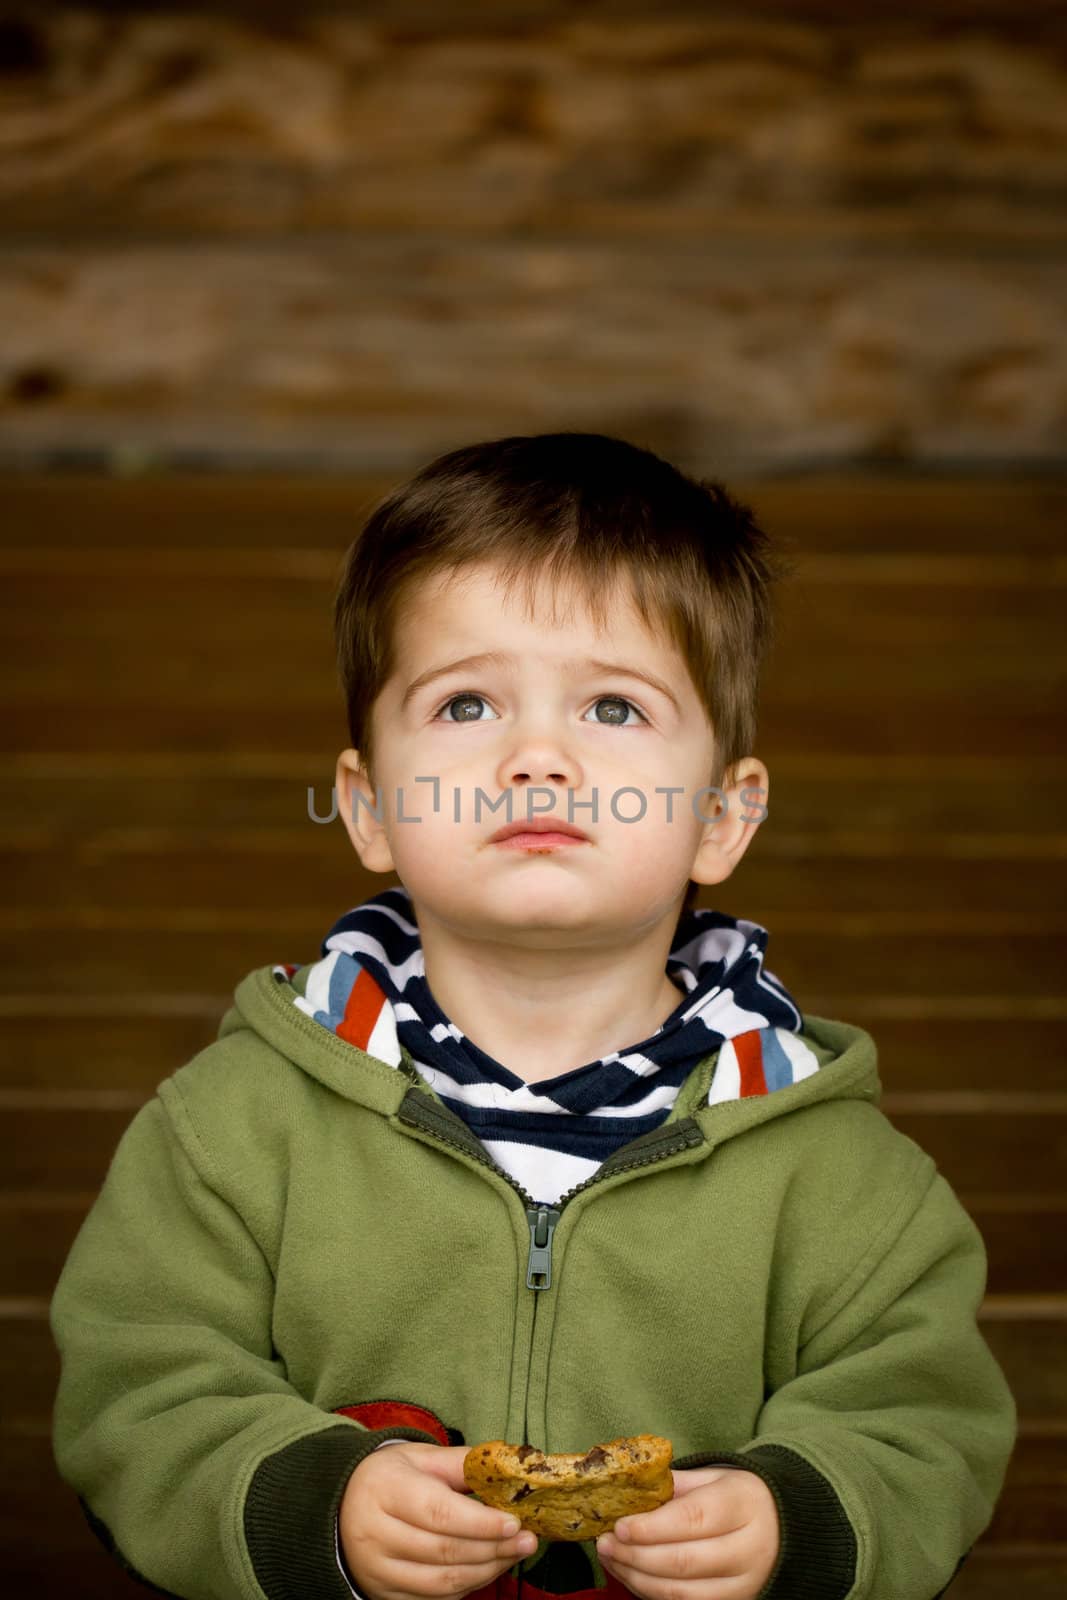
[362, 1011]
[750, 1060]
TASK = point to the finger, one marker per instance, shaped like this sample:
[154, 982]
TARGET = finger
[676, 1522]
[440, 1510]
[445, 1462]
[451, 1550]
[724, 1556]
[411, 1577]
[686, 1479]
[646, 1587]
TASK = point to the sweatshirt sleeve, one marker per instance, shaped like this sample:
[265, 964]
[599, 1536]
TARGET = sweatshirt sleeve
[887, 1450]
[202, 1470]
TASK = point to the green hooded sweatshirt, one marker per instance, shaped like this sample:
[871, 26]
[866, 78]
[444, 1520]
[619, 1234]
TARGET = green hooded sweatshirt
[299, 1251]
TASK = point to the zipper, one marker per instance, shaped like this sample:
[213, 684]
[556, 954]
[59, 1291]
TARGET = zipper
[542, 1222]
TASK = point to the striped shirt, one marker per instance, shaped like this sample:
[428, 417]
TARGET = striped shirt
[369, 988]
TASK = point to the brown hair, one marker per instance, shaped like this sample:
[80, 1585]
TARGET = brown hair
[581, 508]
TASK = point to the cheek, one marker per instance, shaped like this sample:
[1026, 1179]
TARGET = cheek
[667, 830]
[424, 846]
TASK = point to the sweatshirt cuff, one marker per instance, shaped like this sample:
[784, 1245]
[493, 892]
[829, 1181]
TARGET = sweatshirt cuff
[817, 1545]
[292, 1506]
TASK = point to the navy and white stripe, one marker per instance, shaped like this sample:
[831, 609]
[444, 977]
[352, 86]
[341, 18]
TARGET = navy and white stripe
[370, 988]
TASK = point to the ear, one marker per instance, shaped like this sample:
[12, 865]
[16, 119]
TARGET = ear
[735, 815]
[362, 810]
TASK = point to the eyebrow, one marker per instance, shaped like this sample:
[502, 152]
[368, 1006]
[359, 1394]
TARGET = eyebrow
[497, 658]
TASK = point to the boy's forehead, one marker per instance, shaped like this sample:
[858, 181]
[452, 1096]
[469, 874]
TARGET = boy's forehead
[464, 616]
[465, 598]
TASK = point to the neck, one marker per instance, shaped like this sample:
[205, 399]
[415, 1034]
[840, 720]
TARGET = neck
[541, 1013]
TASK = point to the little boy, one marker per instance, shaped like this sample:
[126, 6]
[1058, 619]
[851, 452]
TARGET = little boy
[536, 1150]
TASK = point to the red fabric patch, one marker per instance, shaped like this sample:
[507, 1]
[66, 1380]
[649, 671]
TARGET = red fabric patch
[749, 1053]
[396, 1414]
[362, 1011]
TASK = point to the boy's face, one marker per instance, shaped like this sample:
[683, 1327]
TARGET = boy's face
[538, 718]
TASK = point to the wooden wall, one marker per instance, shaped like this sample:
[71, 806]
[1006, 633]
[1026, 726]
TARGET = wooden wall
[770, 234]
[169, 698]
[257, 261]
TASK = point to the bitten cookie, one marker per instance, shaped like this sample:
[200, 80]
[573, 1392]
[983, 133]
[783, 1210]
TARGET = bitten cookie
[572, 1496]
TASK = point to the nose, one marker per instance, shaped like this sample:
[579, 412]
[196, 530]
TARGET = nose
[542, 797]
[540, 761]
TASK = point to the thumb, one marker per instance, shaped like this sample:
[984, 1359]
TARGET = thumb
[689, 1478]
[445, 1461]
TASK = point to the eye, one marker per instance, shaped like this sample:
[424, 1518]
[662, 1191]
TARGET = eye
[466, 699]
[616, 700]
[468, 702]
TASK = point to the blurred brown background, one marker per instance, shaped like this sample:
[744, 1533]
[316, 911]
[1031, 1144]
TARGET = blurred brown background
[259, 261]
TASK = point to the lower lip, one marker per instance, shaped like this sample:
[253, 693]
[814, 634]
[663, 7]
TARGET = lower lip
[538, 841]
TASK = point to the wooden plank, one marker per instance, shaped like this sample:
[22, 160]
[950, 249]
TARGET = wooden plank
[830, 976]
[156, 880]
[49, 1549]
[760, 118]
[203, 512]
[314, 728]
[957, 1053]
[1039, 1573]
[86, 1052]
[932, 671]
[969, 807]
[467, 18]
[820, 813]
[343, 353]
[255, 634]
[192, 718]
[952, 727]
[1026, 1247]
[818, 513]
[833, 973]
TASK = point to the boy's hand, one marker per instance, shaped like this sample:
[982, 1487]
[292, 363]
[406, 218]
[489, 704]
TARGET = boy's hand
[717, 1539]
[409, 1526]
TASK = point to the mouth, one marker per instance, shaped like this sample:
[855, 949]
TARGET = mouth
[538, 834]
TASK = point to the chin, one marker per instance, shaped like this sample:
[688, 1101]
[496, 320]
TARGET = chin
[531, 912]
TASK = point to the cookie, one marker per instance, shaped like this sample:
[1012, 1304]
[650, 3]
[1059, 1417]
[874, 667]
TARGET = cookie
[572, 1496]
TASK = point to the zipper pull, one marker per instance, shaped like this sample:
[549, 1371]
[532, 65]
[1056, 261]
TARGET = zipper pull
[542, 1220]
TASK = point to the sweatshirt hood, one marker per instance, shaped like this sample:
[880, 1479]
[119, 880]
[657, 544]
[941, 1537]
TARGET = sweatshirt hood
[362, 1020]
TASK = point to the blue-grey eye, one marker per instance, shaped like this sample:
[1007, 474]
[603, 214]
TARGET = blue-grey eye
[464, 700]
[618, 702]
